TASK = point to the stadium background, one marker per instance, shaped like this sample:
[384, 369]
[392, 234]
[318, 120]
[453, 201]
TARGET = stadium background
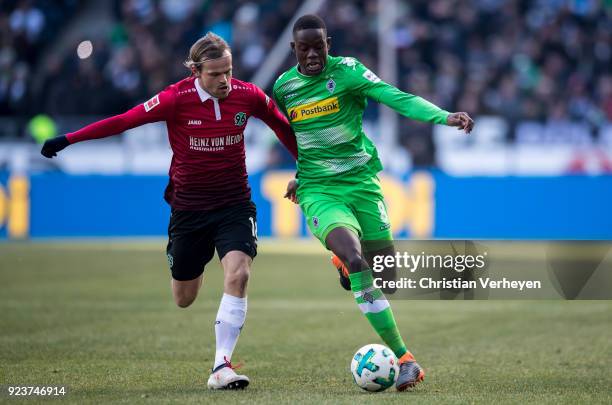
[535, 74]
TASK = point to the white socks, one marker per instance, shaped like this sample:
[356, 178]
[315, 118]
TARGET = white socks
[230, 318]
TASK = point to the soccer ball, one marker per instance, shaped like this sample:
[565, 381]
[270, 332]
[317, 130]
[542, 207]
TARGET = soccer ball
[374, 368]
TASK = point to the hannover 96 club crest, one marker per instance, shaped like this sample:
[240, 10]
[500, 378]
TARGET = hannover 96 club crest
[240, 119]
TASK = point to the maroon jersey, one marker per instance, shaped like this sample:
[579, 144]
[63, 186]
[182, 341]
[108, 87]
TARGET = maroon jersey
[208, 168]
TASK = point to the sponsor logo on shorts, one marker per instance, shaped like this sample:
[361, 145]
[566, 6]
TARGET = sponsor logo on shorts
[314, 109]
[315, 222]
[170, 260]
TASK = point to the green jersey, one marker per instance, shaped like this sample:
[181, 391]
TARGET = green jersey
[325, 111]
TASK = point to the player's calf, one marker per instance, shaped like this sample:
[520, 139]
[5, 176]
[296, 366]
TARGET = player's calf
[355, 262]
[345, 244]
[237, 269]
[185, 292]
[236, 281]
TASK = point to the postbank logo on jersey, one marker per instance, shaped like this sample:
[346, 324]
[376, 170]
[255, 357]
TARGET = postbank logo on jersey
[314, 109]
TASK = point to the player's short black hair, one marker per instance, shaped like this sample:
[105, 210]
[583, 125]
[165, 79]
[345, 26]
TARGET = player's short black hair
[308, 21]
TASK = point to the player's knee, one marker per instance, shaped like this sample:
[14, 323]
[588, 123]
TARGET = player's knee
[240, 276]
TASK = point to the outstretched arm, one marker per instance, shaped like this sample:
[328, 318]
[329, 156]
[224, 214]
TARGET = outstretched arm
[419, 109]
[158, 108]
[409, 105]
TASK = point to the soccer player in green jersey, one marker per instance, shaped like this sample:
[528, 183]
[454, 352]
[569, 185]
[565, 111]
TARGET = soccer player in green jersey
[339, 191]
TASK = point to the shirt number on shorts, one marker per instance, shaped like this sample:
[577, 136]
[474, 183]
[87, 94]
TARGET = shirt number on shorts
[253, 227]
[383, 212]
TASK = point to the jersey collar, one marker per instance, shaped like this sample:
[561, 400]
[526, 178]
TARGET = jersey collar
[203, 93]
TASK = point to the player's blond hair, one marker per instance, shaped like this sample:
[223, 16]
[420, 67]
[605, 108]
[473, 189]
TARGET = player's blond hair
[210, 46]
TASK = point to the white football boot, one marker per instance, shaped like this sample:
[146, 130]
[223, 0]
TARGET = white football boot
[225, 378]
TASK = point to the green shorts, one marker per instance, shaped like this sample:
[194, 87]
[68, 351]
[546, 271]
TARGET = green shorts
[357, 206]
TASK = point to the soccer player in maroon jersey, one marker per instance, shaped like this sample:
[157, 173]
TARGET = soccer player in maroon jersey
[208, 190]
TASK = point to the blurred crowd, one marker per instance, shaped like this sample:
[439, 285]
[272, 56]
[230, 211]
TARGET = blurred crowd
[520, 59]
[27, 27]
[141, 52]
[543, 60]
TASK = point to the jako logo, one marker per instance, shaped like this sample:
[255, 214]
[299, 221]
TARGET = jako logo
[314, 109]
[194, 122]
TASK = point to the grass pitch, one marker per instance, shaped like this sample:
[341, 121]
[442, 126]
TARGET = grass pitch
[99, 318]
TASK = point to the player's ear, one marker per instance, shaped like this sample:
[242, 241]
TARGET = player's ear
[328, 40]
[292, 44]
[194, 70]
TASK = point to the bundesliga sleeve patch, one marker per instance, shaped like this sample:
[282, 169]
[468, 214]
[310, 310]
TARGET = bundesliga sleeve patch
[152, 103]
[369, 75]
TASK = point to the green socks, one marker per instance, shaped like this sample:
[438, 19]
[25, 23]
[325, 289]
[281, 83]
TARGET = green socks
[376, 308]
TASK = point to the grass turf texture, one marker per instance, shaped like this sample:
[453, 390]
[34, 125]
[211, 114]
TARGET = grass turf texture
[99, 318]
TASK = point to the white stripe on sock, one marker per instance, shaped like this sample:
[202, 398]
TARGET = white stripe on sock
[376, 306]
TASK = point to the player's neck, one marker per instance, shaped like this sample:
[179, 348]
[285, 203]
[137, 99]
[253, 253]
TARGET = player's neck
[201, 84]
[211, 94]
